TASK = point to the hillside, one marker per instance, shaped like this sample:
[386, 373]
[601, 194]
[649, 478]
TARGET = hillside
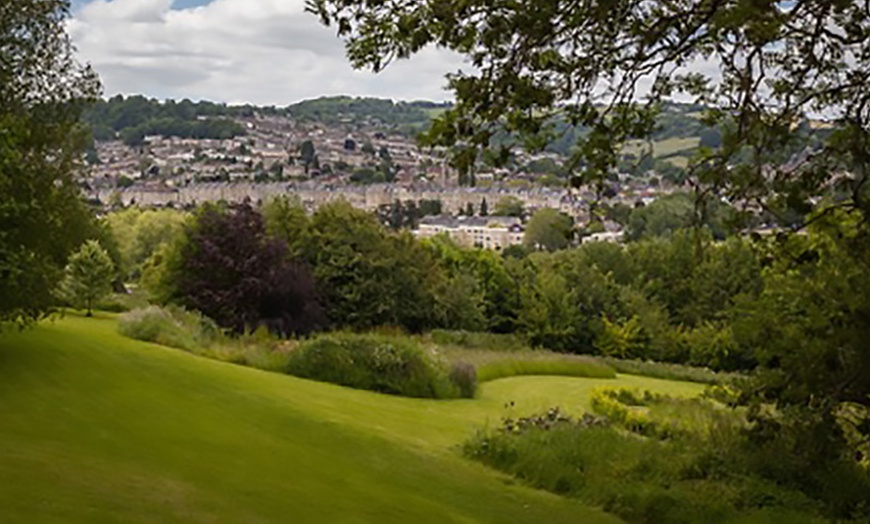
[99, 428]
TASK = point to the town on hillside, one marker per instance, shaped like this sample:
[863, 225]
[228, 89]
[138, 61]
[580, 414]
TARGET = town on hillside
[364, 151]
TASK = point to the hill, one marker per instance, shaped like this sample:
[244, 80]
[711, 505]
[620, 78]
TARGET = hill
[99, 428]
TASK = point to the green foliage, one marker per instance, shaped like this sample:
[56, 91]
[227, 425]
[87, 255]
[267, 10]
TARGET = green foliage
[491, 301]
[406, 118]
[87, 277]
[549, 229]
[285, 218]
[135, 117]
[808, 330]
[368, 276]
[622, 341]
[664, 417]
[509, 207]
[141, 233]
[377, 363]
[564, 301]
[169, 326]
[42, 93]
[123, 302]
[662, 217]
[639, 479]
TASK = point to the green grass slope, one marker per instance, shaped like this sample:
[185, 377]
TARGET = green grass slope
[95, 427]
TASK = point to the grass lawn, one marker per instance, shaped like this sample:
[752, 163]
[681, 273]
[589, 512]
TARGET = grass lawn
[662, 148]
[95, 427]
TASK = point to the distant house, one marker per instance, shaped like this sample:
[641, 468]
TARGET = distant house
[604, 236]
[493, 232]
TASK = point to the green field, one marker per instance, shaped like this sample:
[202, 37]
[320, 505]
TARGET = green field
[95, 427]
[677, 150]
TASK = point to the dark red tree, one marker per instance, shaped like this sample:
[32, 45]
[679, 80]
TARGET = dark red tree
[232, 271]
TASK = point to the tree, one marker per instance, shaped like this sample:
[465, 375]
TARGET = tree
[88, 276]
[307, 154]
[549, 229]
[368, 276]
[141, 233]
[484, 208]
[42, 93]
[228, 268]
[509, 206]
[285, 218]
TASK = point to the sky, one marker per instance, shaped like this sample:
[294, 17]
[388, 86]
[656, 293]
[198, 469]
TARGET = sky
[265, 52]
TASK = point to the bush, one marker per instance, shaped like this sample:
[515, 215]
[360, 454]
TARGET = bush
[393, 365]
[169, 326]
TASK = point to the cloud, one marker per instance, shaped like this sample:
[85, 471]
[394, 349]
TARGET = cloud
[258, 51]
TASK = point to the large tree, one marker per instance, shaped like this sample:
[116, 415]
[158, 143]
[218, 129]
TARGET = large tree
[227, 267]
[549, 229]
[42, 92]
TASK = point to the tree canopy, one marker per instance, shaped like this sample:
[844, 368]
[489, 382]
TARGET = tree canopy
[88, 276]
[229, 268]
[43, 90]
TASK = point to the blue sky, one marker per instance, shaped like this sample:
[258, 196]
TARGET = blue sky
[257, 51]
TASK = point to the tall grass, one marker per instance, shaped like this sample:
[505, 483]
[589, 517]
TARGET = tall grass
[640, 480]
[656, 458]
[169, 326]
[478, 340]
[192, 332]
[382, 363]
[510, 367]
[668, 371]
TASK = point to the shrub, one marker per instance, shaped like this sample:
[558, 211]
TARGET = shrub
[379, 363]
[169, 326]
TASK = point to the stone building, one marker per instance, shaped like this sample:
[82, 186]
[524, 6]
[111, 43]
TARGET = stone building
[492, 232]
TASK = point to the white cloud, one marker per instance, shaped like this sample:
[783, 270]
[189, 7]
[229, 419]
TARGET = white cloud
[259, 51]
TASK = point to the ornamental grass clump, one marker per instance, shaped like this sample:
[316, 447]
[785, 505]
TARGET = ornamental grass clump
[385, 364]
[169, 326]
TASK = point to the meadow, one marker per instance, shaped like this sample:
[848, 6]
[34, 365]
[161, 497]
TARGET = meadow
[101, 428]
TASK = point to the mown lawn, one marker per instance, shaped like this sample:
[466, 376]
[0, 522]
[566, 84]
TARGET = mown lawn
[95, 427]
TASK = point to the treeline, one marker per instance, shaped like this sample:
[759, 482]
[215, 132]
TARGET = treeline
[133, 118]
[666, 298]
[335, 110]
